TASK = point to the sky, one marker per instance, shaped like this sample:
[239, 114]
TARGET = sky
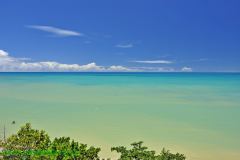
[120, 35]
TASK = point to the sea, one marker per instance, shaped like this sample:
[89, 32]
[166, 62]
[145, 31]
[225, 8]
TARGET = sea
[197, 114]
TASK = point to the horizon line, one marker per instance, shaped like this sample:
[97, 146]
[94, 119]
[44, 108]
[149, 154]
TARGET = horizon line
[118, 72]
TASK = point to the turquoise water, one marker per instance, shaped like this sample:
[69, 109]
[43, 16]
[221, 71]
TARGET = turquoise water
[193, 113]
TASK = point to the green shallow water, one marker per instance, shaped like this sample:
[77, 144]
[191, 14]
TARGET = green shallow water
[193, 113]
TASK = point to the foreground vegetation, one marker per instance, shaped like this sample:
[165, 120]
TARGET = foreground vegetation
[32, 144]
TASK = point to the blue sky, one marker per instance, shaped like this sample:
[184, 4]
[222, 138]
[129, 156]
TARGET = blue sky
[111, 35]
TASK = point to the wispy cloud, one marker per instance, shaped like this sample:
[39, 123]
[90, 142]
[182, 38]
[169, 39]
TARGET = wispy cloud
[124, 45]
[186, 69]
[154, 69]
[154, 61]
[203, 59]
[56, 31]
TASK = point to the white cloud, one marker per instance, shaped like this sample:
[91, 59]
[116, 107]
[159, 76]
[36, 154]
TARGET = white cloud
[186, 69]
[124, 45]
[57, 67]
[154, 69]
[154, 62]
[119, 68]
[56, 31]
[12, 64]
[3, 53]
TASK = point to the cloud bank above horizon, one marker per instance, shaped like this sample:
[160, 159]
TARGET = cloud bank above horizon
[13, 64]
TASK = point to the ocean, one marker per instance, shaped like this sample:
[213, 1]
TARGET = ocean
[197, 114]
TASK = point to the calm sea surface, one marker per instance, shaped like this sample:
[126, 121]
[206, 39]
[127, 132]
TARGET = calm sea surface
[193, 113]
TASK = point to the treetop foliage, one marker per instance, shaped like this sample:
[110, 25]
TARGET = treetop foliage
[33, 144]
[140, 152]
